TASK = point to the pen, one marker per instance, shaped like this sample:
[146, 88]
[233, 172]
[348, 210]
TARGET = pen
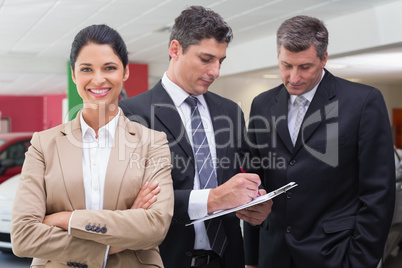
[243, 171]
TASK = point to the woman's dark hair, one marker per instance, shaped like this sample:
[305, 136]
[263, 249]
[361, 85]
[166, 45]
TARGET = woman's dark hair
[101, 35]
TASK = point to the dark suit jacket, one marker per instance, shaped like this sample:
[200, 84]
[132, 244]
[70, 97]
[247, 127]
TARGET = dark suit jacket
[156, 110]
[340, 212]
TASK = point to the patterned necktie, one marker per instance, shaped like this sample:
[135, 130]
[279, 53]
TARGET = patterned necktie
[207, 175]
[300, 102]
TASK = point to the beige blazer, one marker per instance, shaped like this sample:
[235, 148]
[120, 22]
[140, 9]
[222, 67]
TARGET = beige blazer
[52, 181]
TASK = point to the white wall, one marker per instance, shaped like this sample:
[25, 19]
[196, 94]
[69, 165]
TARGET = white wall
[242, 89]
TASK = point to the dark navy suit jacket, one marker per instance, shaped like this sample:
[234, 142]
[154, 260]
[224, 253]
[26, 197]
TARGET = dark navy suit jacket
[155, 109]
[340, 212]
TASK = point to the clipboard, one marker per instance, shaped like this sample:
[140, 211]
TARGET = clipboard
[256, 201]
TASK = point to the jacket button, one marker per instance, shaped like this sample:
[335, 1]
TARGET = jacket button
[69, 264]
[94, 228]
[288, 195]
[88, 227]
[103, 230]
[97, 229]
[288, 229]
[292, 162]
[189, 254]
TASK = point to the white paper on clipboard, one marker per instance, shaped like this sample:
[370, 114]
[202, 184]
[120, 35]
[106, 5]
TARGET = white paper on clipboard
[256, 201]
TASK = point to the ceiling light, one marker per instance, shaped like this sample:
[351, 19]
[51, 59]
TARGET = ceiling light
[356, 80]
[336, 66]
[271, 76]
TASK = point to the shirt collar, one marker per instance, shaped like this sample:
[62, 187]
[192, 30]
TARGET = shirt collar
[308, 95]
[177, 94]
[109, 127]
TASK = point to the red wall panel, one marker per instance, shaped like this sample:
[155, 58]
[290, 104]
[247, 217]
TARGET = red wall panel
[137, 82]
[53, 112]
[397, 125]
[25, 112]
[32, 113]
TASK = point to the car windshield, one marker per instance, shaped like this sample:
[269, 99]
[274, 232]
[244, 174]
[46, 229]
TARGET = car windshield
[2, 142]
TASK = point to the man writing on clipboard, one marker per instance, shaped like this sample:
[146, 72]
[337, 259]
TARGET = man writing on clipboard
[198, 43]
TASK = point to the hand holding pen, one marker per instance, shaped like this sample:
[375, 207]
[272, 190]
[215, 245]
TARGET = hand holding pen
[237, 191]
[243, 171]
[255, 215]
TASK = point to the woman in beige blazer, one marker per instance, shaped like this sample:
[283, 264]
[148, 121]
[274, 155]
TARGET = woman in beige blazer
[87, 193]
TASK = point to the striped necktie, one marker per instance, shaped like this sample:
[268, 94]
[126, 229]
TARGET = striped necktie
[207, 175]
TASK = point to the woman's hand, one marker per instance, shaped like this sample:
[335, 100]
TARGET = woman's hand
[59, 219]
[147, 195]
[114, 250]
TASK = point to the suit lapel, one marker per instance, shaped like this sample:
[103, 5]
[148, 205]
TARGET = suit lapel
[69, 149]
[279, 121]
[317, 110]
[167, 114]
[125, 143]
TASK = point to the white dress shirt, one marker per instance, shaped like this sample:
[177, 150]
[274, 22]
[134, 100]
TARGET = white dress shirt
[292, 109]
[95, 158]
[198, 201]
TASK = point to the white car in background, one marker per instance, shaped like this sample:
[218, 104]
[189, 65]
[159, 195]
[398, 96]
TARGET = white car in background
[7, 193]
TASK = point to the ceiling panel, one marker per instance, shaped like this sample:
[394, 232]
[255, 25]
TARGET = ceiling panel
[37, 34]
